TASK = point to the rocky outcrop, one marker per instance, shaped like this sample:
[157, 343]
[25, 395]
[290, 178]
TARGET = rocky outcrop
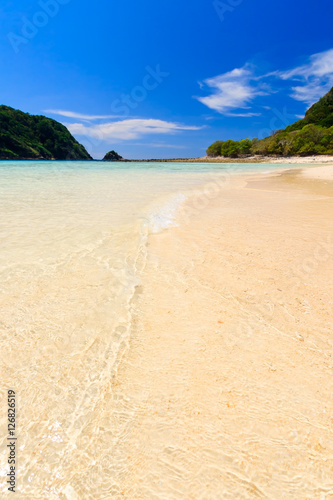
[113, 156]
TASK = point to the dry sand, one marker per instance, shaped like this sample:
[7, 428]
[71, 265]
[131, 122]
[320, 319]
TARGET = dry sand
[322, 172]
[226, 392]
[304, 160]
[292, 160]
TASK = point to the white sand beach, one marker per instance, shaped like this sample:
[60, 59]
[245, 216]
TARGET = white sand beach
[180, 349]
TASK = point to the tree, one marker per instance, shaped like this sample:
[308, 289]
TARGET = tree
[215, 149]
[245, 146]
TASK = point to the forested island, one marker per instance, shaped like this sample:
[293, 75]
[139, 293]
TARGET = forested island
[313, 135]
[33, 137]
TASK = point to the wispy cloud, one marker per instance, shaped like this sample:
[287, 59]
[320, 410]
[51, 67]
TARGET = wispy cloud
[319, 65]
[316, 76]
[79, 116]
[232, 90]
[235, 91]
[127, 129]
[158, 145]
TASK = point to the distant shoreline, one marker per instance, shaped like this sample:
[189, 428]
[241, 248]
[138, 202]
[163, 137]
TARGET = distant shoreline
[319, 159]
[292, 160]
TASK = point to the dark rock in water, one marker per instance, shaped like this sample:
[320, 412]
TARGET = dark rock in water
[112, 156]
[31, 137]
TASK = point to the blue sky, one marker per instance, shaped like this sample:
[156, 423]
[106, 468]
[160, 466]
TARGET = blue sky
[165, 79]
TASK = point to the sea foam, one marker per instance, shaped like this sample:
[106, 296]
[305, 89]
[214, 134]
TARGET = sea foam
[162, 216]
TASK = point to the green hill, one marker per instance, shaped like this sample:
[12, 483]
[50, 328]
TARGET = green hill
[25, 136]
[320, 113]
[313, 135]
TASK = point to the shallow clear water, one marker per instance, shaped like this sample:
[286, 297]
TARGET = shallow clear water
[73, 246]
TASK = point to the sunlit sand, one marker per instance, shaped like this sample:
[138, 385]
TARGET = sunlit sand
[184, 353]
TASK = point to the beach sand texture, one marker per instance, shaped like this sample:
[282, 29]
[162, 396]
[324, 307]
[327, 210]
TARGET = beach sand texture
[222, 385]
[229, 375]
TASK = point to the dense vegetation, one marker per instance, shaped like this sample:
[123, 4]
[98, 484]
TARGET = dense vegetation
[25, 136]
[112, 156]
[310, 136]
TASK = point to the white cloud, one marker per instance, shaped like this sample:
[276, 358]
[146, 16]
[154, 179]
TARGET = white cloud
[232, 90]
[320, 65]
[127, 129]
[316, 76]
[80, 116]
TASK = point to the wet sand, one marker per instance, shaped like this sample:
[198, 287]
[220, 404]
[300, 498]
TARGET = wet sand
[226, 390]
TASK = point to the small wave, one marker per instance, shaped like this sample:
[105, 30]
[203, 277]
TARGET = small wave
[163, 216]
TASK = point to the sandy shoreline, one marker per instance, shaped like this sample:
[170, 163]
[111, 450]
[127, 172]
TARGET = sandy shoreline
[321, 172]
[303, 160]
[226, 389]
[292, 160]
